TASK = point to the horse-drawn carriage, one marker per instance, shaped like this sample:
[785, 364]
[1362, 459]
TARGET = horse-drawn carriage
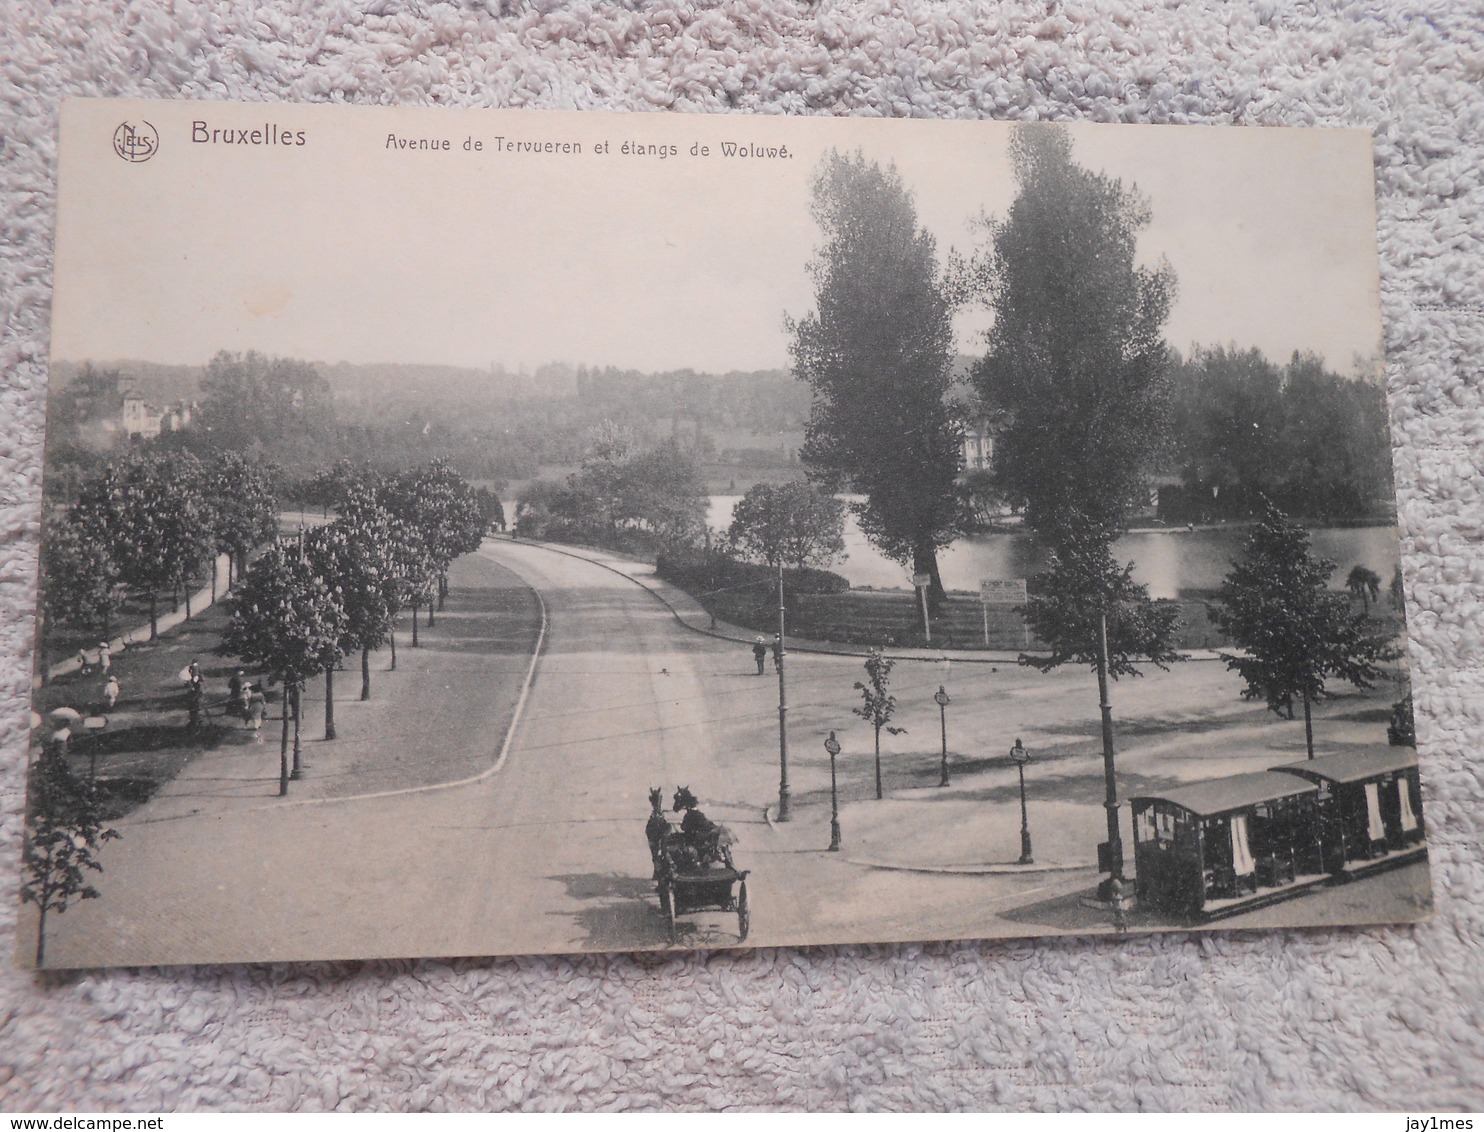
[693, 867]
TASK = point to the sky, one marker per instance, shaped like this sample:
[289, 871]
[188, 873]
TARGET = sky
[352, 247]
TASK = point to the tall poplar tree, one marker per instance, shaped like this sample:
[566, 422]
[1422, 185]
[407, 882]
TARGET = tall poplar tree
[878, 353]
[1076, 360]
[1078, 373]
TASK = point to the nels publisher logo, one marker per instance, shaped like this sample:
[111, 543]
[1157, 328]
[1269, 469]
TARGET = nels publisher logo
[135, 141]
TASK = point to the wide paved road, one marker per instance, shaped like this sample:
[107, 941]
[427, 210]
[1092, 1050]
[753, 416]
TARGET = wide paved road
[548, 854]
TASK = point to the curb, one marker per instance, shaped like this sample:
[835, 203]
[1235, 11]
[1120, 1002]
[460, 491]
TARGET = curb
[488, 772]
[987, 869]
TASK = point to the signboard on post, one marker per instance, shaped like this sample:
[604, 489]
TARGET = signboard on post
[921, 582]
[995, 591]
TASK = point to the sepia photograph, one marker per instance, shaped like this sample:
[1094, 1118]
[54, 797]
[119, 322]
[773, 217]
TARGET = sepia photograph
[510, 532]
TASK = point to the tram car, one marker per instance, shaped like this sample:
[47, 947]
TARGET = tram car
[1371, 801]
[1214, 848]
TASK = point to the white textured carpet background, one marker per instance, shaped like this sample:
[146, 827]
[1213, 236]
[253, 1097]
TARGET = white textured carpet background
[1380, 1018]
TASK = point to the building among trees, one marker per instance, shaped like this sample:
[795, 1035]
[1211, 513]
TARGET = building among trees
[142, 420]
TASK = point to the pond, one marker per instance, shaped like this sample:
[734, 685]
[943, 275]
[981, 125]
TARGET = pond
[1167, 561]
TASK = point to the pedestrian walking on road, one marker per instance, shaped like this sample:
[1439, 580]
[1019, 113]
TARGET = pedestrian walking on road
[257, 707]
[759, 653]
[105, 658]
[777, 653]
[111, 692]
[197, 699]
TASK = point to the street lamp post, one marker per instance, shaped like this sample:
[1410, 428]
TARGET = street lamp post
[1110, 780]
[783, 814]
[1020, 756]
[832, 745]
[941, 698]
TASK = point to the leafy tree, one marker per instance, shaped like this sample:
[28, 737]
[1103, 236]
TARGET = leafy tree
[395, 568]
[535, 507]
[661, 491]
[1335, 447]
[79, 580]
[250, 398]
[1228, 420]
[151, 511]
[1075, 358]
[287, 618]
[64, 829]
[878, 705]
[601, 479]
[1297, 633]
[1089, 610]
[981, 498]
[414, 566]
[241, 500]
[1365, 584]
[78, 412]
[329, 488]
[620, 489]
[491, 510]
[417, 577]
[878, 353]
[443, 508]
[356, 556]
[1078, 374]
[791, 522]
[1401, 730]
[1312, 441]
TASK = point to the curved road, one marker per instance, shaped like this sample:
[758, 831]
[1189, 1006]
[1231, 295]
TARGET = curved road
[548, 854]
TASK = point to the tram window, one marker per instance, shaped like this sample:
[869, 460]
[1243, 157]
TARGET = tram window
[1165, 825]
[1144, 825]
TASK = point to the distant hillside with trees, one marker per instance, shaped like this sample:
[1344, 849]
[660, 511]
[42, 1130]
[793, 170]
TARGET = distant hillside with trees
[491, 424]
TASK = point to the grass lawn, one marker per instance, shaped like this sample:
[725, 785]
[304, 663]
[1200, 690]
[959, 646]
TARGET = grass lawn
[148, 738]
[63, 642]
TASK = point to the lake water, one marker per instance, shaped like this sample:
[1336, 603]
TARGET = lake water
[1165, 561]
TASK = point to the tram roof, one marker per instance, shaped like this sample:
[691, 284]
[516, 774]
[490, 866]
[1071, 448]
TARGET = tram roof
[1354, 766]
[1223, 795]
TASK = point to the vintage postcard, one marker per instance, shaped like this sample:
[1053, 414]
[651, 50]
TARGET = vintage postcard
[499, 532]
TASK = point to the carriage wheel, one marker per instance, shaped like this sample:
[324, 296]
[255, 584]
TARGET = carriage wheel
[744, 917]
[667, 907]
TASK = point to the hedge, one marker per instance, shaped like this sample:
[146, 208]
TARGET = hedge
[700, 573]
